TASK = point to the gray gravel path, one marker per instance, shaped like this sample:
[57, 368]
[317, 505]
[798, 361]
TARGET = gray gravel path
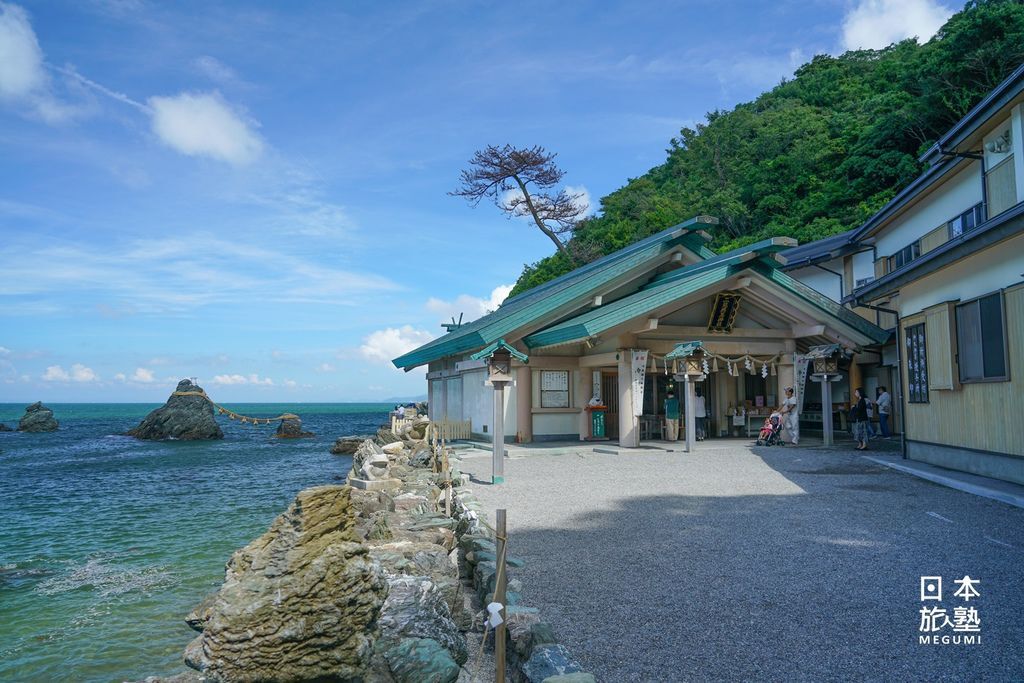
[737, 563]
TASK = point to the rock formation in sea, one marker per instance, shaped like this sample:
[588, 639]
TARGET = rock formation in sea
[187, 415]
[300, 603]
[37, 418]
[291, 428]
[347, 445]
[5, 428]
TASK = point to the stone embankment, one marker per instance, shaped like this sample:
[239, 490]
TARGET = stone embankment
[381, 580]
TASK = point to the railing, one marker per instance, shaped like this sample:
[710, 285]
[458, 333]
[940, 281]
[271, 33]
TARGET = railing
[450, 430]
[400, 422]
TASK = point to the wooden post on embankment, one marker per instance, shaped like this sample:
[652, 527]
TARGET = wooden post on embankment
[501, 581]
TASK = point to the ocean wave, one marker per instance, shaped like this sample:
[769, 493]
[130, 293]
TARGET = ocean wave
[107, 580]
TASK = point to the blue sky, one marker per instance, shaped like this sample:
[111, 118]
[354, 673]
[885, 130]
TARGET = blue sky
[255, 194]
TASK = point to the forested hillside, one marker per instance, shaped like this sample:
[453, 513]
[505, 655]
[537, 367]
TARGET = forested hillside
[816, 155]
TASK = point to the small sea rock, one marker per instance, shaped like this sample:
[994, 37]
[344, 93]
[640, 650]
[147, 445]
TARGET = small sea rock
[37, 418]
[347, 445]
[291, 428]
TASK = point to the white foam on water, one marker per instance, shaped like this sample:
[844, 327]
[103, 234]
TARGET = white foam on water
[107, 580]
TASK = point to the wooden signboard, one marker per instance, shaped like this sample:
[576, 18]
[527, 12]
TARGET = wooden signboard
[723, 312]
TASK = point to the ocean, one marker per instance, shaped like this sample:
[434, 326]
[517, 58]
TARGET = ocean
[107, 542]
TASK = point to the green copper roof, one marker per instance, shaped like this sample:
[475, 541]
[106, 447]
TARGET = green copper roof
[559, 297]
[684, 350]
[664, 289]
[822, 351]
[674, 285]
[500, 344]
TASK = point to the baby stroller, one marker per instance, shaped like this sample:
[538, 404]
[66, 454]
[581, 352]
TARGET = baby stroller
[771, 431]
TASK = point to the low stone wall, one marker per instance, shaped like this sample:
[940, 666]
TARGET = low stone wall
[534, 652]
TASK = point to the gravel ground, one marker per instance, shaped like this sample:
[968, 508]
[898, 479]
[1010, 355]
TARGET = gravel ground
[739, 563]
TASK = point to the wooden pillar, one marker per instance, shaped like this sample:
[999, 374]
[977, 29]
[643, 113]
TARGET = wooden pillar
[691, 422]
[628, 432]
[524, 403]
[586, 392]
[856, 375]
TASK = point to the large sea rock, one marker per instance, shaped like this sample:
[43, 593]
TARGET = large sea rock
[300, 603]
[188, 417]
[37, 418]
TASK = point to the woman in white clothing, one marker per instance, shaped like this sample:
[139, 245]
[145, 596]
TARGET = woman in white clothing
[789, 416]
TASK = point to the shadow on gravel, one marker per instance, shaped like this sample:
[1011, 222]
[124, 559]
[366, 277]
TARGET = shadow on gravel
[822, 585]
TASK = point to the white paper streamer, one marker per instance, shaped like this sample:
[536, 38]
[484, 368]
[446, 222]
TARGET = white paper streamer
[494, 609]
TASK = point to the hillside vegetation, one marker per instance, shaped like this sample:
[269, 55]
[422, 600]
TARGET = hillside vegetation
[816, 155]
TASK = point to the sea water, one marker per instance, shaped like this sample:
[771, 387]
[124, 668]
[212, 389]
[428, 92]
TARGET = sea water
[107, 542]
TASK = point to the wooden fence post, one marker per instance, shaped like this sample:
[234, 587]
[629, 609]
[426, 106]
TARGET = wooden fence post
[501, 581]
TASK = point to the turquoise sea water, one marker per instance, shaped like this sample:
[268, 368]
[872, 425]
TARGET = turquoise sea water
[107, 542]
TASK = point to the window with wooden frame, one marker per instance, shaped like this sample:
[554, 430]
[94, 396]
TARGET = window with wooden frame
[554, 388]
[967, 221]
[981, 340]
[905, 255]
[917, 363]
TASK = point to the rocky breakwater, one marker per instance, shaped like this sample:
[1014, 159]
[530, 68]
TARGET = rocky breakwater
[187, 415]
[348, 584]
[37, 418]
[291, 428]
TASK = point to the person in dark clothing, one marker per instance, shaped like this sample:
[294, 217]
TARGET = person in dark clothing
[859, 417]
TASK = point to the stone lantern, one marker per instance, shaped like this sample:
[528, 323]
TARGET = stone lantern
[824, 361]
[691, 355]
[498, 356]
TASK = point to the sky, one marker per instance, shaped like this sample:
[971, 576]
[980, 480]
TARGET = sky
[255, 194]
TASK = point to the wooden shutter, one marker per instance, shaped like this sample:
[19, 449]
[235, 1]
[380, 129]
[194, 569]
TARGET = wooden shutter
[941, 348]
[935, 238]
[879, 267]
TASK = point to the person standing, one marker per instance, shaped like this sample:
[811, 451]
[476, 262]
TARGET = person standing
[790, 419]
[859, 417]
[672, 416]
[884, 403]
[700, 414]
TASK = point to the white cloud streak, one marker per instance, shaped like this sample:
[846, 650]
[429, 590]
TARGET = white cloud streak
[252, 380]
[177, 275]
[874, 24]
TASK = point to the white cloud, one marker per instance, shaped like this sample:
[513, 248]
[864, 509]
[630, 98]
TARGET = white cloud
[253, 379]
[120, 377]
[325, 367]
[4, 351]
[204, 124]
[56, 373]
[583, 201]
[79, 373]
[290, 383]
[142, 375]
[23, 77]
[383, 345]
[471, 307]
[874, 24]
